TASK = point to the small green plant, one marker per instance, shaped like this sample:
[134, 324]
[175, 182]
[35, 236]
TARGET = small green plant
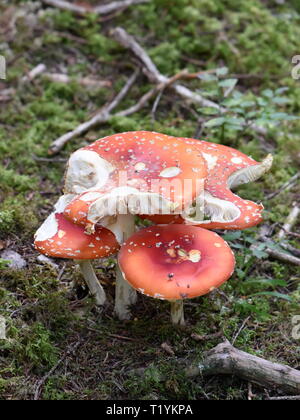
[3, 263]
[240, 111]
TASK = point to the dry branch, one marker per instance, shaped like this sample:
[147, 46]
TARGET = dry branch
[286, 186]
[105, 114]
[225, 359]
[85, 81]
[99, 10]
[36, 71]
[102, 116]
[290, 221]
[150, 69]
[282, 256]
[70, 350]
[127, 41]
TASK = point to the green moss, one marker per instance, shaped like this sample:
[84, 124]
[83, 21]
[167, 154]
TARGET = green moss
[43, 317]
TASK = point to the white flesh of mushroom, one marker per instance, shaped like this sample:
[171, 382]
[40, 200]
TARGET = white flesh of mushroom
[209, 209]
[50, 228]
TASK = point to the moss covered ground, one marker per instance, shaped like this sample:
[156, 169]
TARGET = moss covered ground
[47, 322]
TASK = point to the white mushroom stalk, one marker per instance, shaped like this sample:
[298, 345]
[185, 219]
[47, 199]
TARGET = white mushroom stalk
[95, 288]
[60, 238]
[125, 294]
[177, 312]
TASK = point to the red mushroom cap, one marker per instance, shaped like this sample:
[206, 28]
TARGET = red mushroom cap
[227, 168]
[60, 238]
[137, 167]
[176, 261]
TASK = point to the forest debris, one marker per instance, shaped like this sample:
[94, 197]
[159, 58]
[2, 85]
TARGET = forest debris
[150, 69]
[99, 10]
[101, 117]
[122, 337]
[16, 262]
[70, 350]
[36, 71]
[290, 221]
[168, 349]
[225, 359]
[7, 94]
[286, 186]
[127, 41]
[283, 256]
[85, 81]
[105, 114]
[47, 261]
[207, 337]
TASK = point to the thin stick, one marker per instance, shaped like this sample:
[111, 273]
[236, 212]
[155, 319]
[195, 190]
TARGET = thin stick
[282, 256]
[240, 330]
[99, 10]
[36, 71]
[101, 117]
[85, 81]
[286, 186]
[290, 221]
[40, 384]
[105, 114]
[127, 41]
[226, 359]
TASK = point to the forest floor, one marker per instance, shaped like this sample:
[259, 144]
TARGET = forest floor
[58, 345]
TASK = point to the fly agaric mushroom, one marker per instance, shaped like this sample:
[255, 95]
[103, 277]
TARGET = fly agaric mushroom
[129, 174]
[222, 209]
[176, 262]
[59, 238]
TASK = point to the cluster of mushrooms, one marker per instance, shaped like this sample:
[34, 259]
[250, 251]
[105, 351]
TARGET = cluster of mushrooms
[181, 185]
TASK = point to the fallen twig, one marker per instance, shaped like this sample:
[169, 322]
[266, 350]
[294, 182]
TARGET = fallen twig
[152, 72]
[290, 221]
[85, 81]
[240, 330]
[283, 256]
[105, 114]
[99, 10]
[168, 349]
[102, 116]
[150, 69]
[71, 349]
[121, 337]
[207, 337]
[286, 186]
[226, 359]
[36, 71]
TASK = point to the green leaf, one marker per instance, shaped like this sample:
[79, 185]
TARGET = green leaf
[268, 93]
[228, 83]
[222, 71]
[231, 236]
[208, 111]
[215, 122]
[206, 77]
[259, 254]
[280, 101]
[273, 294]
[235, 120]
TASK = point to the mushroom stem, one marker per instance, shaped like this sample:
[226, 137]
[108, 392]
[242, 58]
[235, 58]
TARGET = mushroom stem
[92, 281]
[125, 294]
[177, 312]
